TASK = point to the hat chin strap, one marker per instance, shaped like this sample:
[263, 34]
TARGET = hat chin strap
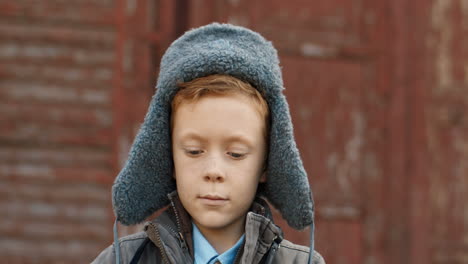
[311, 243]
[116, 243]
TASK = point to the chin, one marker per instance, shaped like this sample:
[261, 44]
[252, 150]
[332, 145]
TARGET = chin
[214, 221]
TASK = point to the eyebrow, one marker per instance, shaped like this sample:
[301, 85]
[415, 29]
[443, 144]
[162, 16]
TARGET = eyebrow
[230, 139]
[239, 138]
[192, 135]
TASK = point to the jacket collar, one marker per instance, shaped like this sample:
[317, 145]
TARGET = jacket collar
[260, 231]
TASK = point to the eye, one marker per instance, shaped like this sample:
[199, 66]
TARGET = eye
[193, 152]
[236, 155]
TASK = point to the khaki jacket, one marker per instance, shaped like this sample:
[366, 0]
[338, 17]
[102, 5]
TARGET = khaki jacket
[168, 240]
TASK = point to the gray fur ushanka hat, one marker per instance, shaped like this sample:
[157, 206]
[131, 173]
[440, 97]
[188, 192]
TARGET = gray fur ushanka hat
[142, 186]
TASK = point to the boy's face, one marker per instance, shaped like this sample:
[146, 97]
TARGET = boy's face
[219, 151]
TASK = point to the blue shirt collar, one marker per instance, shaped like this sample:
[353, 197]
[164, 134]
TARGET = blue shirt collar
[206, 254]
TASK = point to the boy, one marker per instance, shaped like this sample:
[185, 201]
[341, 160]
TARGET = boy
[217, 138]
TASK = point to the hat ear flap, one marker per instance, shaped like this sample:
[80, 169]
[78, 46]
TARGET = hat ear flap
[287, 186]
[143, 184]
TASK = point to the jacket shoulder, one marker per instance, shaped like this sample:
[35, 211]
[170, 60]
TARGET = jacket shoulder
[128, 247]
[130, 244]
[289, 252]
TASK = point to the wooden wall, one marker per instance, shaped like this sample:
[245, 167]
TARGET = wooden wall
[378, 91]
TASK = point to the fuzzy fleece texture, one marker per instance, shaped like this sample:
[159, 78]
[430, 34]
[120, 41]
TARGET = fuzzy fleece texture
[142, 186]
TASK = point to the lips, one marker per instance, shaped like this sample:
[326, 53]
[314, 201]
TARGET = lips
[213, 199]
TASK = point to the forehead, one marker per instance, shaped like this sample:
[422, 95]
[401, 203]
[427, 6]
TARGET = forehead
[218, 116]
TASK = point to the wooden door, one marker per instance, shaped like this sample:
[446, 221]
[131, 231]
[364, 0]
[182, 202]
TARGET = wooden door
[329, 78]
[366, 82]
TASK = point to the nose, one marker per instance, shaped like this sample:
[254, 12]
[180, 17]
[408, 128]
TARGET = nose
[213, 172]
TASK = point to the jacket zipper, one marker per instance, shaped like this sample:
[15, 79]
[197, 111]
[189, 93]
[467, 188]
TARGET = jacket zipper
[160, 246]
[181, 237]
[176, 215]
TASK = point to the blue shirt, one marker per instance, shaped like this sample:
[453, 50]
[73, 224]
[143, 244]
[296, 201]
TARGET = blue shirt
[206, 254]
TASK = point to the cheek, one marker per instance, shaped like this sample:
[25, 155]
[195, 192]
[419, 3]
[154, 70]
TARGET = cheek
[183, 174]
[182, 167]
[256, 167]
[184, 178]
[248, 177]
[186, 189]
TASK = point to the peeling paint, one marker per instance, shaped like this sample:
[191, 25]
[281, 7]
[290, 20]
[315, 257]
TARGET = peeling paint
[447, 135]
[371, 260]
[441, 22]
[373, 171]
[460, 181]
[27, 170]
[347, 169]
[464, 9]
[234, 2]
[316, 50]
[130, 7]
[353, 148]
[239, 20]
[346, 212]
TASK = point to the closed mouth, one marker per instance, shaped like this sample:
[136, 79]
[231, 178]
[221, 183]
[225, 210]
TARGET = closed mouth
[213, 200]
[213, 197]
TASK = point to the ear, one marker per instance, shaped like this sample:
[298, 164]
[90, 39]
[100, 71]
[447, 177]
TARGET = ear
[263, 177]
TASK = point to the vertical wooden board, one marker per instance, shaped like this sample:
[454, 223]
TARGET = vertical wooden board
[447, 131]
[394, 226]
[329, 125]
[374, 189]
[341, 241]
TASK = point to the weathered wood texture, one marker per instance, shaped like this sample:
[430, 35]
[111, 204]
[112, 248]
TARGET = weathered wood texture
[378, 93]
[56, 71]
[76, 78]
